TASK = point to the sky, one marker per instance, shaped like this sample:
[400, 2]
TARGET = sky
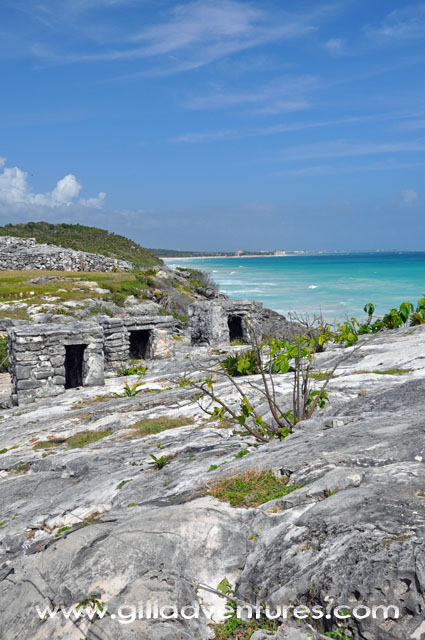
[217, 124]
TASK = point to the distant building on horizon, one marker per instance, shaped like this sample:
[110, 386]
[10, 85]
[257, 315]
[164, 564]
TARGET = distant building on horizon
[279, 252]
[239, 252]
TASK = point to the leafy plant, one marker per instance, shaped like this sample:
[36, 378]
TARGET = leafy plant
[274, 356]
[241, 364]
[159, 463]
[339, 635]
[349, 331]
[131, 390]
[130, 371]
[235, 627]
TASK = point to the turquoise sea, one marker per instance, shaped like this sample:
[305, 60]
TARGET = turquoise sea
[338, 285]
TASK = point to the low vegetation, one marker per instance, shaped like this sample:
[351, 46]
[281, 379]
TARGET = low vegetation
[83, 238]
[159, 463]
[406, 315]
[131, 371]
[266, 359]
[251, 488]
[73, 442]
[386, 372]
[151, 426]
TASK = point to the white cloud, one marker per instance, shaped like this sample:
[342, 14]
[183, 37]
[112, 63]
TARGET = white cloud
[409, 197]
[334, 46]
[346, 149]
[404, 23]
[280, 96]
[16, 192]
[95, 203]
[411, 125]
[329, 170]
[196, 34]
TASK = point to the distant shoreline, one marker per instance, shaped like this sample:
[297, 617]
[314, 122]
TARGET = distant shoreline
[288, 255]
[259, 255]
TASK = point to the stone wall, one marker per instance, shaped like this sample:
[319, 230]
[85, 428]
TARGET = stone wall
[38, 353]
[26, 253]
[210, 322]
[117, 333]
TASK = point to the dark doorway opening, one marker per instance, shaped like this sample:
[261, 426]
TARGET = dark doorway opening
[139, 341]
[74, 357]
[235, 328]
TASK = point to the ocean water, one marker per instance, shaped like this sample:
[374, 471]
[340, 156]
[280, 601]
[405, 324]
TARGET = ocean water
[337, 285]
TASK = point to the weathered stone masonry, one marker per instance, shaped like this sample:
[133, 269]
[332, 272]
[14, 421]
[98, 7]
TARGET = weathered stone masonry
[47, 359]
[217, 323]
[140, 337]
[44, 360]
[27, 253]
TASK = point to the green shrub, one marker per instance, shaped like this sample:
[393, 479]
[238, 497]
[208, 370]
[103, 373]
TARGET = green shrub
[118, 299]
[241, 364]
[349, 331]
[131, 371]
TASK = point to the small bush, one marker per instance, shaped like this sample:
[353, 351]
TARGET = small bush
[118, 299]
[251, 488]
[131, 371]
[241, 364]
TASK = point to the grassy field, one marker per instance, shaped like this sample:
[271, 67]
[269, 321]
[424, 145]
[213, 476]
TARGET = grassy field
[18, 286]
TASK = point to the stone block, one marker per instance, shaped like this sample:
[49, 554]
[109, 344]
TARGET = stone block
[28, 384]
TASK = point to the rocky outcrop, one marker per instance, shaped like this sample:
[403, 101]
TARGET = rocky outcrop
[101, 523]
[27, 253]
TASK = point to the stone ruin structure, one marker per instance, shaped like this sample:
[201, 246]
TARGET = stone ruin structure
[146, 337]
[46, 359]
[27, 253]
[219, 322]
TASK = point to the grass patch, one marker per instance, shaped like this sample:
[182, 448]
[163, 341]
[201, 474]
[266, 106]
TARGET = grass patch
[47, 444]
[319, 376]
[386, 372]
[150, 426]
[251, 488]
[15, 314]
[123, 483]
[76, 441]
[86, 437]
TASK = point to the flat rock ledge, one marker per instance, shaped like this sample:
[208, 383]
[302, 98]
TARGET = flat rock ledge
[98, 523]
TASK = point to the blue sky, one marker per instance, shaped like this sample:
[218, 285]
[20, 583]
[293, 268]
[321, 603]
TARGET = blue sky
[217, 124]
